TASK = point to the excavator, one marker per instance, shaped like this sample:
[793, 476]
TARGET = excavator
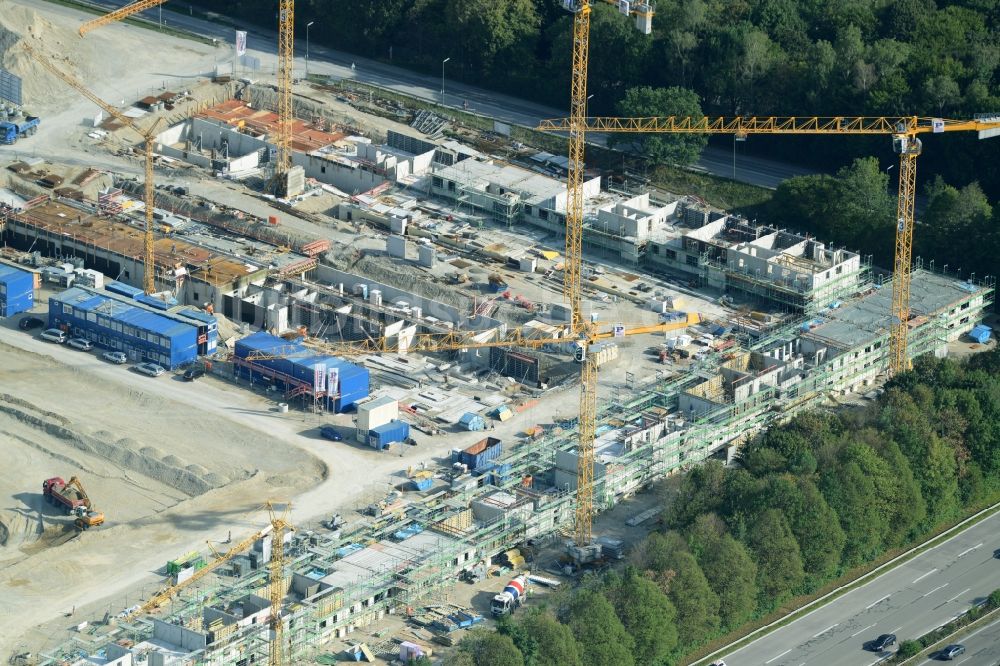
[87, 518]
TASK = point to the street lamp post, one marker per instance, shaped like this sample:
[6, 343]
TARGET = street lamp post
[307, 47]
[442, 77]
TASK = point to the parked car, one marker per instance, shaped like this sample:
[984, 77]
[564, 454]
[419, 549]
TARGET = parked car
[193, 373]
[30, 323]
[118, 358]
[718, 663]
[952, 651]
[150, 369]
[882, 642]
[80, 343]
[331, 433]
[54, 335]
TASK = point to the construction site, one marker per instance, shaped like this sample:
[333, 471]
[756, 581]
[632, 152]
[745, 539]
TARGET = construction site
[393, 361]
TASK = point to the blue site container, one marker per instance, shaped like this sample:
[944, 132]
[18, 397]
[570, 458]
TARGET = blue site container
[123, 326]
[481, 452]
[422, 484]
[384, 435]
[17, 291]
[297, 367]
[472, 421]
[154, 302]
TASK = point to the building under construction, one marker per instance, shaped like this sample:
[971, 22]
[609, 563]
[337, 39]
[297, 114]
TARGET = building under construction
[343, 580]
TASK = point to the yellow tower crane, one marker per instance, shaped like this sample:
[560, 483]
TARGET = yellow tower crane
[904, 130]
[286, 68]
[148, 137]
[572, 290]
[119, 14]
[276, 582]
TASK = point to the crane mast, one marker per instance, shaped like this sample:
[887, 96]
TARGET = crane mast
[909, 148]
[286, 65]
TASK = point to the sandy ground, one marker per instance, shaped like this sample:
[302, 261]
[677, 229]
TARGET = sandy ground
[217, 429]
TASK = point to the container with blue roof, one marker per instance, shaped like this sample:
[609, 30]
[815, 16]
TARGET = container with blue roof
[293, 367]
[117, 322]
[17, 291]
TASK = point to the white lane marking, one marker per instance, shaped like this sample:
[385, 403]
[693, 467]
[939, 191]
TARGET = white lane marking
[939, 587]
[920, 578]
[969, 550]
[959, 594]
[895, 630]
[779, 656]
[963, 661]
[863, 630]
[874, 603]
[826, 630]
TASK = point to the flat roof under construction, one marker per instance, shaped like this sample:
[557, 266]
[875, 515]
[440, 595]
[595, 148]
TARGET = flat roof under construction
[867, 318]
[305, 137]
[386, 557]
[56, 218]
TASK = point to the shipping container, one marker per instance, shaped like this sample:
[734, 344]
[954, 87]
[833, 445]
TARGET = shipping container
[17, 291]
[124, 326]
[390, 433]
[481, 452]
[373, 413]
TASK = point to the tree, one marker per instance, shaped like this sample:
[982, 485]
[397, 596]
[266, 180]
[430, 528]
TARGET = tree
[488, 648]
[728, 568]
[646, 613]
[679, 149]
[817, 531]
[542, 639]
[779, 562]
[700, 492]
[602, 639]
[851, 494]
[697, 605]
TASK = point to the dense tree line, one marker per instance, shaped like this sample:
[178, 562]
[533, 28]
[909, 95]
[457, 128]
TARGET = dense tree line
[856, 208]
[808, 501]
[758, 57]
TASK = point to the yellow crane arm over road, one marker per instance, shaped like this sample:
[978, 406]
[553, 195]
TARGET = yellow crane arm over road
[119, 14]
[903, 129]
[148, 136]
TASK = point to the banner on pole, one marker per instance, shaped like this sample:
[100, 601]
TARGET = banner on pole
[241, 42]
[319, 378]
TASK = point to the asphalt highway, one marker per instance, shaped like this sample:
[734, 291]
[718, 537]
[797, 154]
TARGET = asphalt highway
[909, 601]
[982, 647]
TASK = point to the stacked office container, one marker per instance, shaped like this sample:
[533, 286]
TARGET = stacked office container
[17, 291]
[123, 326]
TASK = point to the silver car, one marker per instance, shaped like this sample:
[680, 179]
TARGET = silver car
[80, 343]
[53, 335]
[150, 369]
[116, 357]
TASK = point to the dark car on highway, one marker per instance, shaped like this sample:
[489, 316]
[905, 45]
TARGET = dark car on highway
[882, 642]
[30, 323]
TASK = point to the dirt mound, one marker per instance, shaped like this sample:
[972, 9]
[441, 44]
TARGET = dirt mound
[17, 528]
[60, 46]
[170, 470]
